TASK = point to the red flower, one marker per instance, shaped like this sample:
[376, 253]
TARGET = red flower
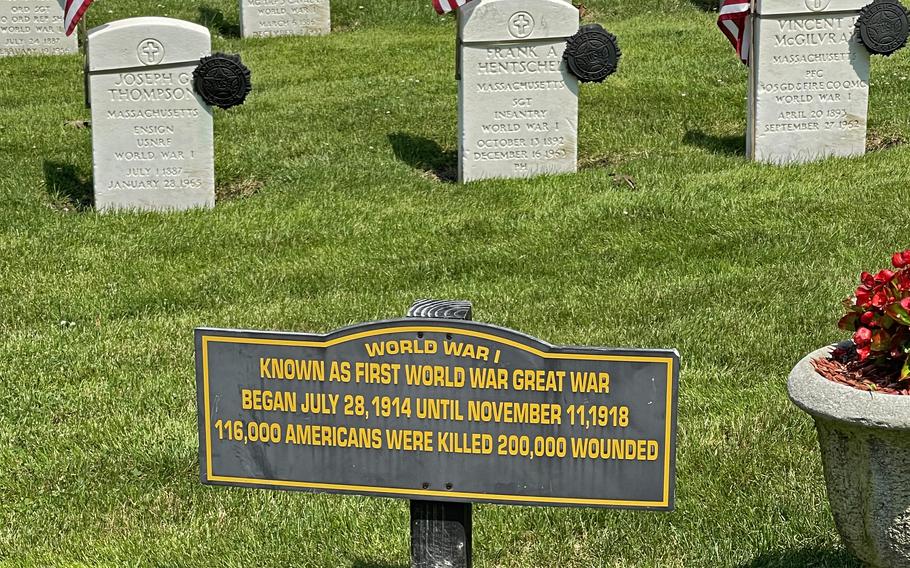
[884, 276]
[903, 280]
[881, 298]
[879, 313]
[862, 337]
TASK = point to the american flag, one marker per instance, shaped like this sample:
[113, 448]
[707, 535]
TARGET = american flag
[446, 6]
[75, 9]
[734, 22]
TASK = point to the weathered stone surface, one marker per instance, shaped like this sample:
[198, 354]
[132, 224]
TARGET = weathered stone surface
[517, 100]
[269, 18]
[778, 7]
[865, 445]
[809, 85]
[152, 134]
[34, 27]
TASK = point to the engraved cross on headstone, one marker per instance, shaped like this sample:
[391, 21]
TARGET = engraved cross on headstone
[151, 51]
[521, 23]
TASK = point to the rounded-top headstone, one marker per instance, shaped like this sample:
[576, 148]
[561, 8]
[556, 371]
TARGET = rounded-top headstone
[883, 26]
[592, 54]
[161, 41]
[152, 134]
[517, 20]
[791, 7]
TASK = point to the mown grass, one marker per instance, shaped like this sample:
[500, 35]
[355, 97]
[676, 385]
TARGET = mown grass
[335, 213]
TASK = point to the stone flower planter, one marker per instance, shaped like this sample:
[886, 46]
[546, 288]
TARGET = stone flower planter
[865, 445]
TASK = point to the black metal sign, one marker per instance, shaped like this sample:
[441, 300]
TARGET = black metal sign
[438, 410]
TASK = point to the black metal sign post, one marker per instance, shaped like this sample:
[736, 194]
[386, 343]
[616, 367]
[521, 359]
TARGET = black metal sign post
[440, 531]
[442, 411]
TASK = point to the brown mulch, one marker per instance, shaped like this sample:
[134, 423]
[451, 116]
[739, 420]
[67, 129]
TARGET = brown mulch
[860, 375]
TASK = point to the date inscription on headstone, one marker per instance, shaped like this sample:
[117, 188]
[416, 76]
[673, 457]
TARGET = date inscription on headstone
[270, 18]
[34, 27]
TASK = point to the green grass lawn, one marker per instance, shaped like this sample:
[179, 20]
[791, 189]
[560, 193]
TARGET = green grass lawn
[335, 209]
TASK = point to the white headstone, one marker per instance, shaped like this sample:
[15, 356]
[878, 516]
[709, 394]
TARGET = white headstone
[152, 135]
[517, 100]
[809, 81]
[268, 18]
[34, 27]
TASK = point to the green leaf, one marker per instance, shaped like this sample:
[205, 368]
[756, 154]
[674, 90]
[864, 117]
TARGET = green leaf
[881, 340]
[905, 370]
[848, 322]
[898, 313]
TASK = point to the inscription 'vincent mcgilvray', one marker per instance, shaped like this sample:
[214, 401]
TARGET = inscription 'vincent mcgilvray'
[810, 87]
[518, 104]
[34, 27]
[152, 135]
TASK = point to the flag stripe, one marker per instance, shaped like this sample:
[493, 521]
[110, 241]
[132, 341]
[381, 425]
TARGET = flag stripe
[75, 10]
[446, 6]
[734, 22]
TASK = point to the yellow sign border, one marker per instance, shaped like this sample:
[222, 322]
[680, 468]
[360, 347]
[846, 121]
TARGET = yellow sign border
[360, 489]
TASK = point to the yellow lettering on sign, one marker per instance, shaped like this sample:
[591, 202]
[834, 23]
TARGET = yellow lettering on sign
[466, 350]
[613, 449]
[376, 373]
[255, 399]
[402, 347]
[538, 380]
[464, 443]
[487, 378]
[438, 409]
[434, 376]
[590, 382]
[410, 440]
[514, 412]
[291, 369]
[340, 372]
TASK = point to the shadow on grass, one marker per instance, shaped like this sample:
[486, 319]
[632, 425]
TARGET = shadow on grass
[214, 18]
[371, 564]
[68, 186]
[425, 155]
[804, 558]
[706, 5]
[729, 145]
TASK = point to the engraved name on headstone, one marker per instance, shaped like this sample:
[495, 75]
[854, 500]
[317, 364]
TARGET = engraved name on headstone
[152, 134]
[268, 18]
[34, 27]
[809, 83]
[517, 100]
